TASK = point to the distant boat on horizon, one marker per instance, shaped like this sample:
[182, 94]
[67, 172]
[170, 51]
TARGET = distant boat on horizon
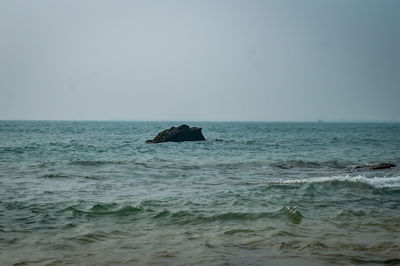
[320, 121]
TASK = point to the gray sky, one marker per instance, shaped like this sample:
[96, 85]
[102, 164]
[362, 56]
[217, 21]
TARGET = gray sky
[200, 60]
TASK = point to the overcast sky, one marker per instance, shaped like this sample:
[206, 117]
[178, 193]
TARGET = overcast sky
[200, 60]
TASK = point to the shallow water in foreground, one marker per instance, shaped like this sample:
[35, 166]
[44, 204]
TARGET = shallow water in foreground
[93, 193]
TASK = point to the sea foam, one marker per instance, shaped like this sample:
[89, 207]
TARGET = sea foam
[376, 182]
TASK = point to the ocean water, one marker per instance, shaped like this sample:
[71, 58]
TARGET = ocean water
[94, 193]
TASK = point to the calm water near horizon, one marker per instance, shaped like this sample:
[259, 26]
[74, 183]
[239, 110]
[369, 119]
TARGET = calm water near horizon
[94, 193]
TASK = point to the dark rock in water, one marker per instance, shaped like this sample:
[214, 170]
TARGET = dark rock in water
[377, 166]
[381, 166]
[179, 134]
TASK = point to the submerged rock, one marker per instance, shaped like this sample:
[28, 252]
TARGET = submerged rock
[179, 134]
[377, 166]
[381, 166]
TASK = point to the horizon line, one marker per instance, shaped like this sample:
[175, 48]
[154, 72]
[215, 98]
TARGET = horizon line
[217, 121]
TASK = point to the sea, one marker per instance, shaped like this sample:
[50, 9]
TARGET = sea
[253, 193]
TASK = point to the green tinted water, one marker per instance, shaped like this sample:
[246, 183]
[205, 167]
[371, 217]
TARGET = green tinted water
[253, 193]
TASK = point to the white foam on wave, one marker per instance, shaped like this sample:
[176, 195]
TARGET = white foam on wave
[376, 182]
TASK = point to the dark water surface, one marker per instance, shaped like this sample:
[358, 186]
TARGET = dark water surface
[93, 193]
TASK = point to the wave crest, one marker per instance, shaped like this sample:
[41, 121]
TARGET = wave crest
[375, 182]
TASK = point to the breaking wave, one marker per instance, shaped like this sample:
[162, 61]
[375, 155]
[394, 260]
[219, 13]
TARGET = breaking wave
[375, 182]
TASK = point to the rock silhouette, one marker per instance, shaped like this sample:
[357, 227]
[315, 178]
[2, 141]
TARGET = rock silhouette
[179, 134]
[377, 166]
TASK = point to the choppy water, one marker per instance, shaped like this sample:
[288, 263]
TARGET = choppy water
[93, 193]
